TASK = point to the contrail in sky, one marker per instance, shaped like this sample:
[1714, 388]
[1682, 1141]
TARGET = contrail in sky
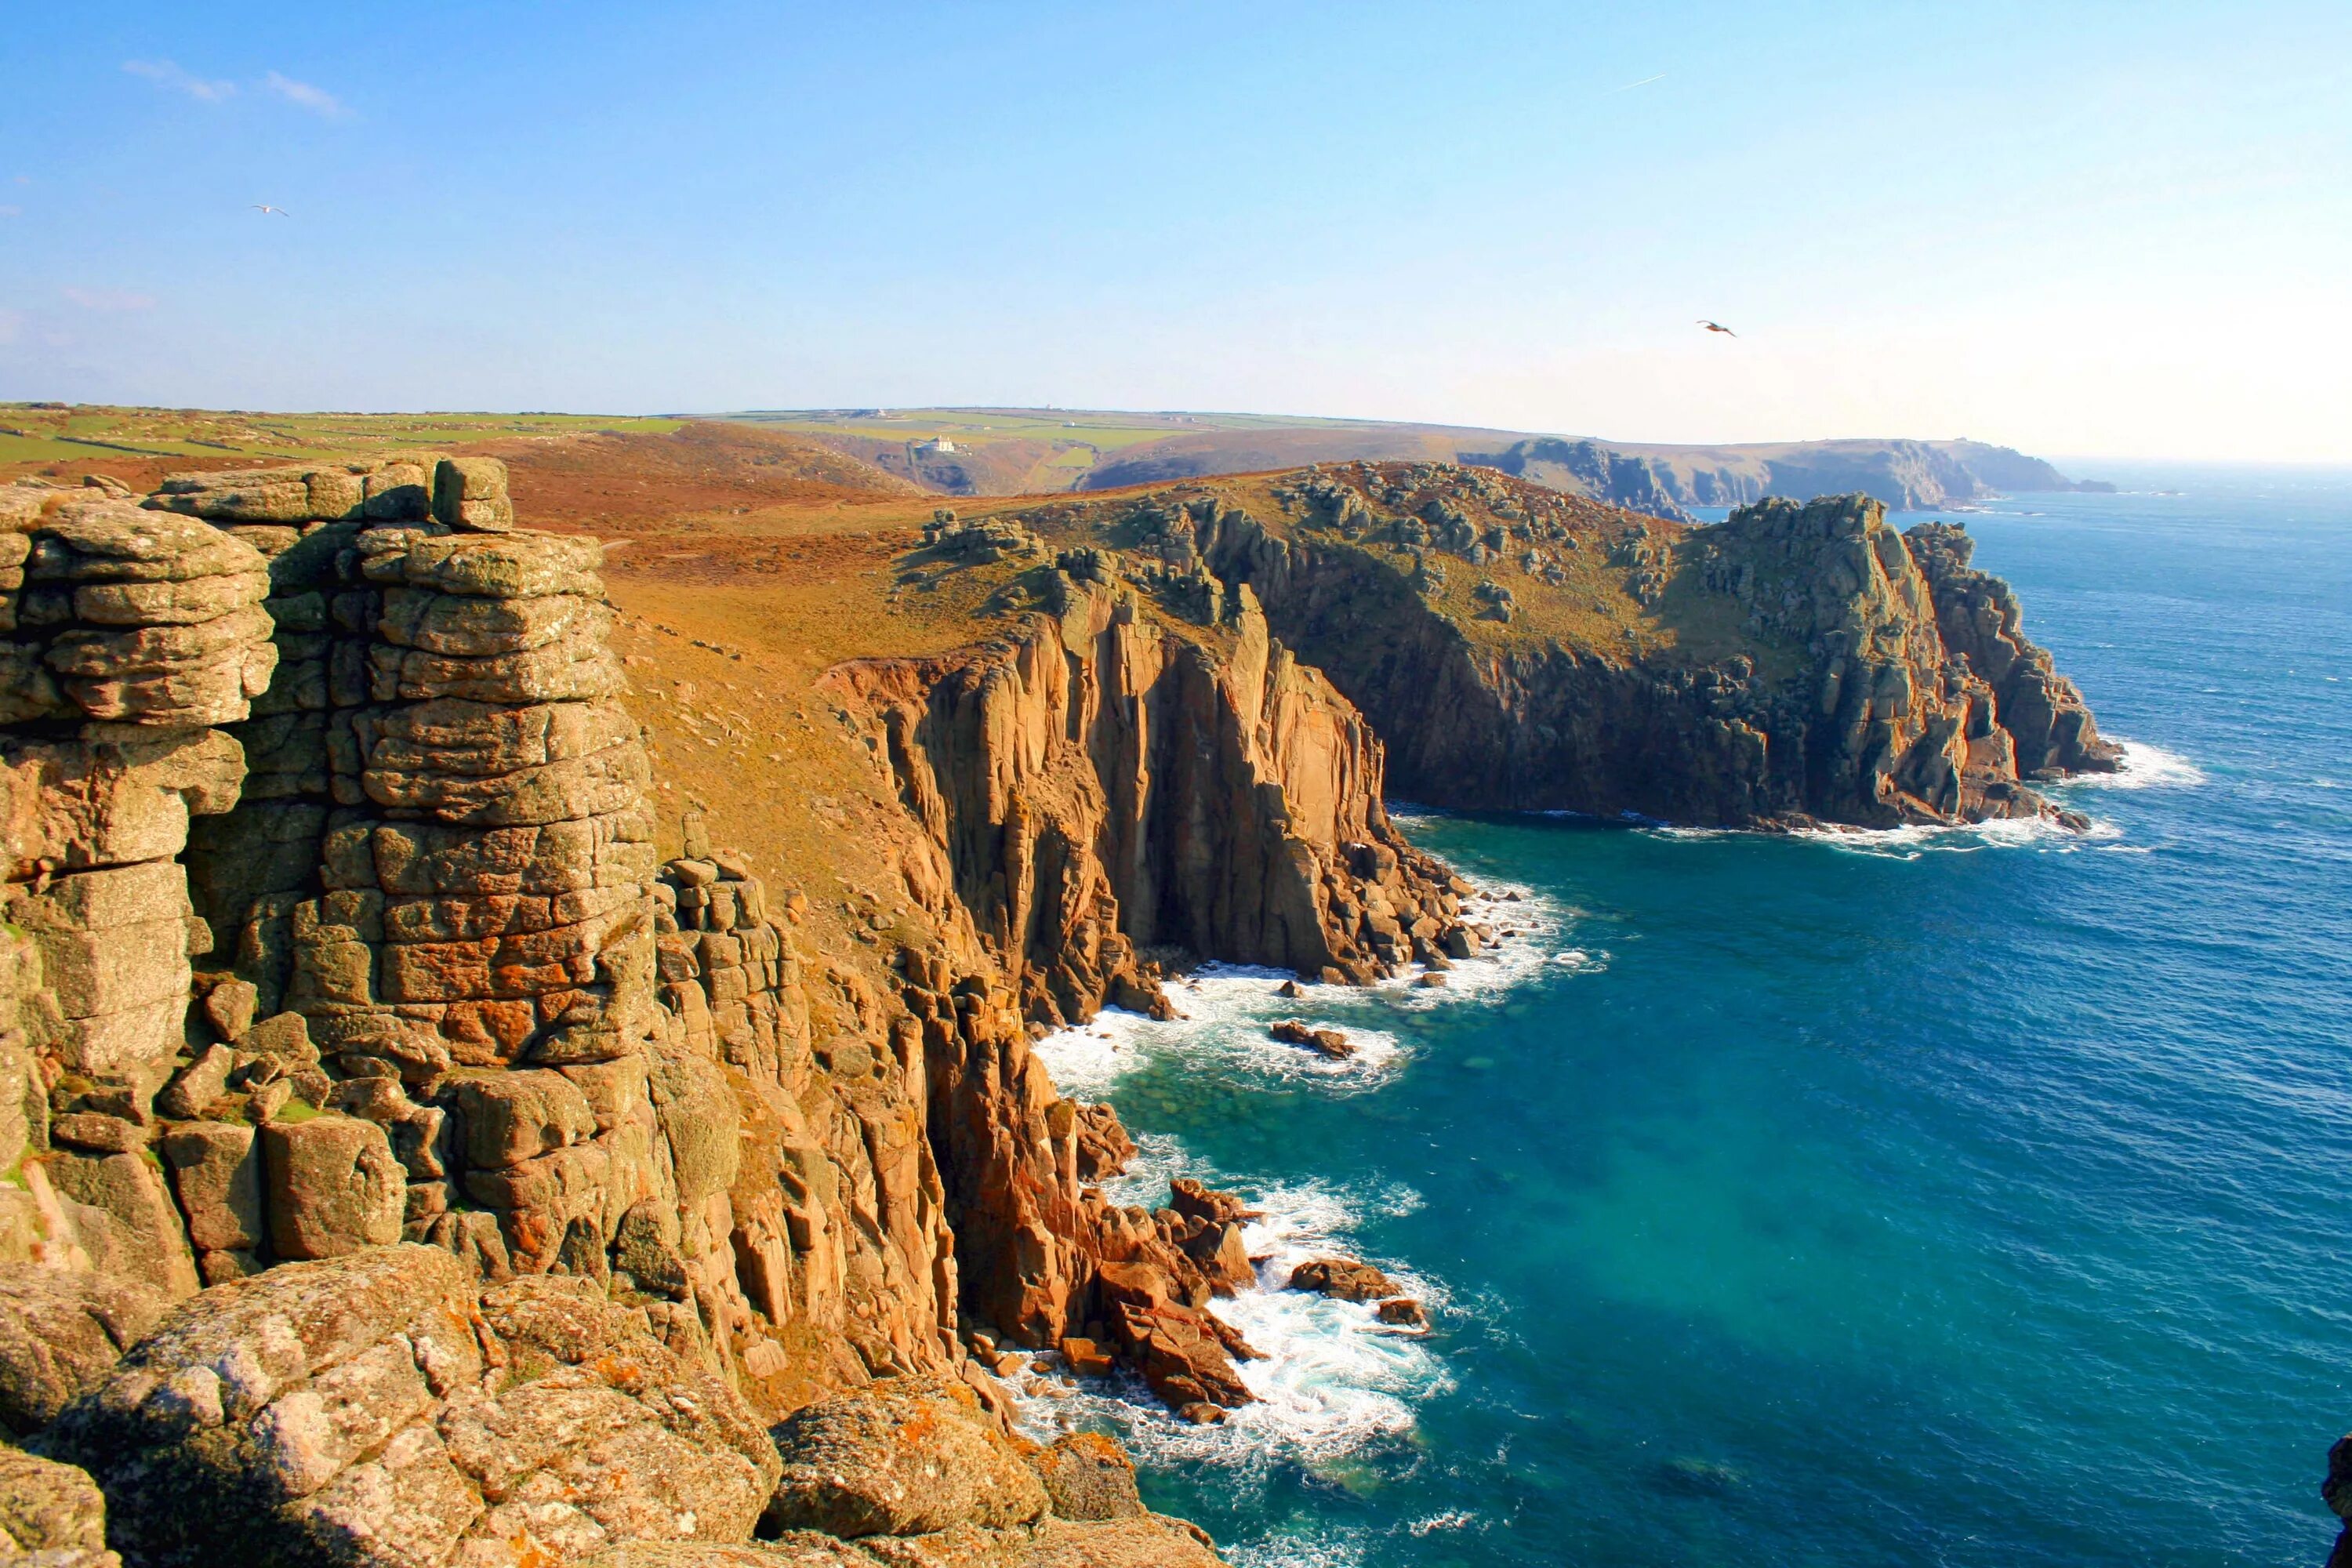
[1643, 82]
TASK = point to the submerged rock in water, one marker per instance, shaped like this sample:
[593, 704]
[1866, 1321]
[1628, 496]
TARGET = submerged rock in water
[1327, 1043]
[1344, 1277]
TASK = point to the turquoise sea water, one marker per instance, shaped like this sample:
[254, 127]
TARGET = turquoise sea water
[1962, 1198]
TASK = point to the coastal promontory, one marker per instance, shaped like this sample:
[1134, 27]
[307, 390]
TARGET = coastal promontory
[518, 1003]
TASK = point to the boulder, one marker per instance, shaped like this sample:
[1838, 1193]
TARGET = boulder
[900, 1458]
[470, 493]
[1147, 1541]
[1085, 1357]
[1195, 1199]
[52, 1510]
[1088, 1476]
[1327, 1043]
[1343, 1277]
[146, 1233]
[231, 1005]
[1184, 1353]
[60, 1334]
[1104, 1147]
[199, 1084]
[512, 1117]
[284, 1037]
[334, 1186]
[216, 1168]
[375, 1410]
[1221, 1255]
[800, 1550]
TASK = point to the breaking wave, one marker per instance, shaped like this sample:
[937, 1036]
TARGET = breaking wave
[2143, 767]
[1333, 1377]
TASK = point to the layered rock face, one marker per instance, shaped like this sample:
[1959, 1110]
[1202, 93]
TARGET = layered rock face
[1881, 680]
[130, 637]
[537, 1048]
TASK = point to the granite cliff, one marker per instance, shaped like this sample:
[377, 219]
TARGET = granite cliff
[1519, 649]
[421, 1149]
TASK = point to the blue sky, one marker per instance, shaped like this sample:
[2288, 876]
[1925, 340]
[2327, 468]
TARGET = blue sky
[2084, 228]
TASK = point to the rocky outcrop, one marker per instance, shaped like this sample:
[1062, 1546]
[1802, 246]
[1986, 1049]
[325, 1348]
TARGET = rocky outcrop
[1908, 475]
[1588, 468]
[61, 1331]
[1107, 783]
[51, 1515]
[2048, 723]
[1126, 775]
[382, 1409]
[126, 638]
[1343, 1277]
[907, 1460]
[921, 1474]
[2336, 1491]
[1795, 662]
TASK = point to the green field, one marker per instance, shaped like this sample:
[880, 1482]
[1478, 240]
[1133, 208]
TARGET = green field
[50, 432]
[979, 426]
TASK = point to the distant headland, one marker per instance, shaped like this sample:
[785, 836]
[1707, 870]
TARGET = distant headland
[1028, 451]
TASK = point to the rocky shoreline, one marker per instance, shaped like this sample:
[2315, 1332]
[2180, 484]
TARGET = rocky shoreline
[410, 1161]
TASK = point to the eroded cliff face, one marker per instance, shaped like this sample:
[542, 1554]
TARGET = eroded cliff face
[1105, 785]
[1112, 783]
[1793, 663]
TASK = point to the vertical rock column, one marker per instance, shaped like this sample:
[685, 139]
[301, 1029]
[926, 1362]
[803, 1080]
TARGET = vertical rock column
[484, 933]
[125, 637]
[831, 1224]
[251, 867]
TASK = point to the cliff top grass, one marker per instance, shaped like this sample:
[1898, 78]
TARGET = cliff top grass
[1573, 568]
[41, 436]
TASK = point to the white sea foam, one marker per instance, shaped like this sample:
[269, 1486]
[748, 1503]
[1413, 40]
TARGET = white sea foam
[1909, 843]
[1327, 1547]
[1087, 1059]
[1431, 1524]
[1534, 923]
[2143, 767]
[1333, 1377]
[1224, 1011]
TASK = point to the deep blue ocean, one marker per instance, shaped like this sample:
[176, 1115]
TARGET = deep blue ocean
[1975, 1197]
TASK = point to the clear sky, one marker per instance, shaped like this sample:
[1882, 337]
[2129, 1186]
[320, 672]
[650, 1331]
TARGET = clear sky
[2077, 228]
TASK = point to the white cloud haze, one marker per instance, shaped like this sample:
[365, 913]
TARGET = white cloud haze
[317, 99]
[170, 74]
[107, 299]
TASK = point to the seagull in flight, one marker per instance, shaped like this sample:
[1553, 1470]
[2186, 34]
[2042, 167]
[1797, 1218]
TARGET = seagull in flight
[1718, 327]
[266, 207]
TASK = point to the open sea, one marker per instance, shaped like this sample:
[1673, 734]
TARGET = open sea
[1969, 1197]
